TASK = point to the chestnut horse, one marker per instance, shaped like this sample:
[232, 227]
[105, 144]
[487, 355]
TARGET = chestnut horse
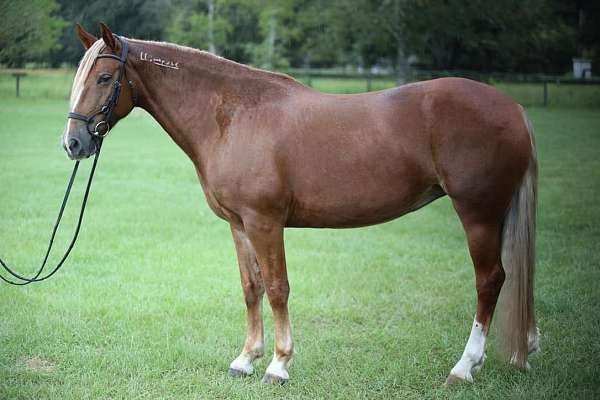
[272, 153]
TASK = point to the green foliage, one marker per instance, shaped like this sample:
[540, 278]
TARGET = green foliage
[587, 19]
[504, 35]
[142, 19]
[191, 30]
[277, 27]
[191, 26]
[29, 30]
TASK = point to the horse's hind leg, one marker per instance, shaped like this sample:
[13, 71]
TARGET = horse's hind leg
[483, 230]
[253, 287]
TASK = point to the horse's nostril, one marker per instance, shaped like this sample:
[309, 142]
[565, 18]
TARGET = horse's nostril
[73, 145]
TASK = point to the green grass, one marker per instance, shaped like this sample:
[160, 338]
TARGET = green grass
[346, 85]
[149, 304]
[561, 96]
[55, 84]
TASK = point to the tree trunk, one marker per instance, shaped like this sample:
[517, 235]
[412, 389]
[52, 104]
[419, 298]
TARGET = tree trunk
[211, 27]
[401, 64]
[271, 41]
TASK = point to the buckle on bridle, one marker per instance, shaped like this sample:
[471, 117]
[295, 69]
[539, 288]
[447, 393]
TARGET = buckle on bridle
[104, 124]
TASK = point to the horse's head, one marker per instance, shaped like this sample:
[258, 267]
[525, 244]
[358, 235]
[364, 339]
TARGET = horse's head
[101, 94]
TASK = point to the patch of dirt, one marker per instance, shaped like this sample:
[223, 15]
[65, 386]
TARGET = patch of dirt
[38, 364]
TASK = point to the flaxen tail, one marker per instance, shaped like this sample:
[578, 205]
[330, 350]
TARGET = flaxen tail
[518, 335]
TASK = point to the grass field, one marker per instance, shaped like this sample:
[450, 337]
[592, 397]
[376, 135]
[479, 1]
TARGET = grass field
[149, 305]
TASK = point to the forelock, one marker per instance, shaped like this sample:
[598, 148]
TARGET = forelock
[85, 65]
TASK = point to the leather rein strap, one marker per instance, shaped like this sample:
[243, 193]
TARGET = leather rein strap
[102, 127]
[106, 110]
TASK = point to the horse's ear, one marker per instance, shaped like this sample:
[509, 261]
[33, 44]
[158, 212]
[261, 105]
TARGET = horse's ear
[87, 39]
[108, 37]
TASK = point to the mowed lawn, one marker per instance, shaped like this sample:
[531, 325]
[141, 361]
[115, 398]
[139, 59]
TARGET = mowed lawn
[149, 305]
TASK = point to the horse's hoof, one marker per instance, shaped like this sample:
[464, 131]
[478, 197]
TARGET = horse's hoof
[454, 380]
[273, 379]
[238, 373]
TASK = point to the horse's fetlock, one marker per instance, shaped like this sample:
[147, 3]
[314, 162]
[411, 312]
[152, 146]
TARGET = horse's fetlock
[257, 352]
[285, 352]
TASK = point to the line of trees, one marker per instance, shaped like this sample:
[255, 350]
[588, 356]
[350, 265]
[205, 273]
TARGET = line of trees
[483, 35]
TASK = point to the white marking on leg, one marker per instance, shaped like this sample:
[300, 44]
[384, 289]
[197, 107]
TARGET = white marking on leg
[243, 363]
[278, 368]
[473, 356]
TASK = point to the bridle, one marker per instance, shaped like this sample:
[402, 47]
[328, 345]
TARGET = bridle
[100, 131]
[102, 127]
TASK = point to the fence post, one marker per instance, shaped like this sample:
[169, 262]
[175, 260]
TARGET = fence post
[17, 76]
[545, 93]
[369, 83]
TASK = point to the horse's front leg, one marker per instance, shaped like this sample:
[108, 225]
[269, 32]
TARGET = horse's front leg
[266, 237]
[252, 284]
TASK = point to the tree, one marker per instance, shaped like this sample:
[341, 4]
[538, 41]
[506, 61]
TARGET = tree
[584, 16]
[200, 24]
[345, 32]
[500, 35]
[391, 16]
[29, 31]
[143, 19]
[503, 35]
[277, 29]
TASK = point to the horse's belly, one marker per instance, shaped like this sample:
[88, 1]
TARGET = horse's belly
[357, 208]
[359, 179]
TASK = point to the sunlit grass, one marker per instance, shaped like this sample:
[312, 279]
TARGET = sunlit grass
[149, 305]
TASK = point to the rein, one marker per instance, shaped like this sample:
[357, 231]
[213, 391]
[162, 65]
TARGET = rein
[100, 131]
[36, 277]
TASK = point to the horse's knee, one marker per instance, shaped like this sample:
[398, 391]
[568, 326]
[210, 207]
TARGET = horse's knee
[278, 292]
[253, 292]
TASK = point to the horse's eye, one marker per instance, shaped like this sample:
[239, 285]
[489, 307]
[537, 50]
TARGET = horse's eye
[104, 78]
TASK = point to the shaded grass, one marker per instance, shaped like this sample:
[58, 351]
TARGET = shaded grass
[149, 304]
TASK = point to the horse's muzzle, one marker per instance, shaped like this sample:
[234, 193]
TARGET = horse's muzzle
[79, 146]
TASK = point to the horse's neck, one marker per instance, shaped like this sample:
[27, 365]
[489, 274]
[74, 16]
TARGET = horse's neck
[174, 88]
[182, 89]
